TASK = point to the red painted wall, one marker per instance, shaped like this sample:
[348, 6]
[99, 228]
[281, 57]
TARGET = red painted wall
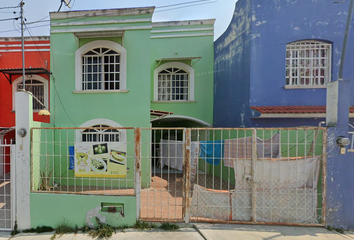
[37, 55]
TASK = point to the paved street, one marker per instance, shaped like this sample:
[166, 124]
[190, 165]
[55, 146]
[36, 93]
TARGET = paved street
[209, 232]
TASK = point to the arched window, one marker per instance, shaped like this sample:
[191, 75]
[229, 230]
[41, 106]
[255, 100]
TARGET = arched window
[100, 133]
[308, 63]
[101, 130]
[100, 65]
[36, 85]
[174, 81]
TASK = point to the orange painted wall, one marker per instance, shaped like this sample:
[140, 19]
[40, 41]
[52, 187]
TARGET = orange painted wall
[37, 55]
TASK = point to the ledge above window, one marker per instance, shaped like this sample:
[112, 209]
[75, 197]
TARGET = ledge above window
[191, 101]
[303, 87]
[102, 91]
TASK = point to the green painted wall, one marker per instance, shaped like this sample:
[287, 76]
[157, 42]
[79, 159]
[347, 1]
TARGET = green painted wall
[199, 46]
[53, 209]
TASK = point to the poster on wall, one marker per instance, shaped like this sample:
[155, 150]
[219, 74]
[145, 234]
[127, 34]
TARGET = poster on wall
[100, 160]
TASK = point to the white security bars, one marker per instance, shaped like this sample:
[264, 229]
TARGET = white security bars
[6, 200]
[308, 63]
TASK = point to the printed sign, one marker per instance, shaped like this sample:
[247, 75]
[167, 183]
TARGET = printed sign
[100, 160]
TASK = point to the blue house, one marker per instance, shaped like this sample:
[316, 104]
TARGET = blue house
[273, 62]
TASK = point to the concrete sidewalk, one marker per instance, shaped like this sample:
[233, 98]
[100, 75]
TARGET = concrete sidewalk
[206, 231]
[262, 232]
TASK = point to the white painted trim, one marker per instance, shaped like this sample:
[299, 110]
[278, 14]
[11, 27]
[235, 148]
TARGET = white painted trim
[27, 50]
[18, 39]
[184, 23]
[100, 29]
[185, 118]
[104, 121]
[193, 101]
[101, 22]
[95, 44]
[26, 45]
[35, 77]
[182, 30]
[292, 115]
[303, 87]
[183, 35]
[101, 91]
[181, 65]
[102, 13]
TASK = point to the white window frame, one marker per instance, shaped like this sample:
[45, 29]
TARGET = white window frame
[180, 65]
[97, 44]
[295, 73]
[19, 80]
[101, 121]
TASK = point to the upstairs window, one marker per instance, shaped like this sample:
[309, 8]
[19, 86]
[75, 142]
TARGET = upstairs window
[308, 64]
[100, 65]
[101, 69]
[174, 81]
[36, 85]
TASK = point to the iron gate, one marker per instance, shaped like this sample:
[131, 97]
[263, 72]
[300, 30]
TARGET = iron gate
[267, 175]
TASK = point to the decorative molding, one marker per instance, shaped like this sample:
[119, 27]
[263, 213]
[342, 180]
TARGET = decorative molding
[184, 23]
[101, 29]
[101, 22]
[182, 30]
[183, 35]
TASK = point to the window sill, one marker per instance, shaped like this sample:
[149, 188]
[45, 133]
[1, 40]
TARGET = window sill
[190, 101]
[304, 87]
[101, 91]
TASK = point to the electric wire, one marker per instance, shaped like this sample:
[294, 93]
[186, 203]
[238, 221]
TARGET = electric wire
[9, 7]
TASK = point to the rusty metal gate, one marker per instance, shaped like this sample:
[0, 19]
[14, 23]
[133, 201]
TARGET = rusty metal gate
[263, 175]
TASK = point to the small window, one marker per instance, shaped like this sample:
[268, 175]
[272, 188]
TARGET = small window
[100, 133]
[308, 64]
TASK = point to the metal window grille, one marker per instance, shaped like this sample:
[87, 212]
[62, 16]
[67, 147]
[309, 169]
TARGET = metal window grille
[173, 85]
[308, 63]
[37, 88]
[101, 69]
[351, 137]
[100, 133]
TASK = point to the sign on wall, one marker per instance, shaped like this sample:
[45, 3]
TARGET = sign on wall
[100, 160]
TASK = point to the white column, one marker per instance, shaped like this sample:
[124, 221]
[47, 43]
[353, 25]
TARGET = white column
[24, 119]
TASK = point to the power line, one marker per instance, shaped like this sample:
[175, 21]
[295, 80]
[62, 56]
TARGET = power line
[7, 19]
[39, 21]
[30, 33]
[188, 6]
[177, 4]
[9, 7]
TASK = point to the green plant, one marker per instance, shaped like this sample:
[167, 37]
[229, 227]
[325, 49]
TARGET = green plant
[46, 183]
[169, 226]
[102, 230]
[62, 229]
[39, 230]
[15, 231]
[85, 228]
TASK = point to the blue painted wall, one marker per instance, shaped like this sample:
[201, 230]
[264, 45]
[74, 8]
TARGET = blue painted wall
[250, 58]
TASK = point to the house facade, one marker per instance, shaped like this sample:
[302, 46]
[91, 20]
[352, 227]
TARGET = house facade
[273, 62]
[116, 68]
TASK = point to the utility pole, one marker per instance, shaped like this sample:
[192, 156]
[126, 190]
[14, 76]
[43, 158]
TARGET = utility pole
[23, 47]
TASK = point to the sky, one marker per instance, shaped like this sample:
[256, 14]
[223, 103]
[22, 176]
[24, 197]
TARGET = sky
[36, 12]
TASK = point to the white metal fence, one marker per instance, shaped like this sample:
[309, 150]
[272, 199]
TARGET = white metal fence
[273, 175]
[351, 137]
[7, 177]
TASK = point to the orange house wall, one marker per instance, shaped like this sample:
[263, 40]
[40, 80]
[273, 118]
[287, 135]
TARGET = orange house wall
[11, 57]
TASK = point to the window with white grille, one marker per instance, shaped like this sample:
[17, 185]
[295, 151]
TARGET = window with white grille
[173, 85]
[308, 64]
[36, 85]
[100, 65]
[101, 69]
[100, 133]
[174, 81]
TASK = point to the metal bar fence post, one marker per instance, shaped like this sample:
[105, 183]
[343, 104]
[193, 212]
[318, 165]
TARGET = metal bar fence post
[137, 158]
[186, 176]
[324, 175]
[254, 186]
